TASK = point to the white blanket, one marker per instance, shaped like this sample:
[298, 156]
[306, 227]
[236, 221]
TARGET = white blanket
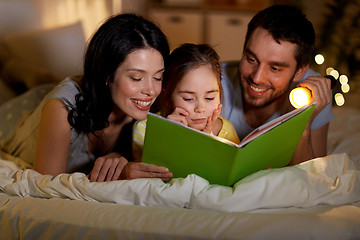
[333, 180]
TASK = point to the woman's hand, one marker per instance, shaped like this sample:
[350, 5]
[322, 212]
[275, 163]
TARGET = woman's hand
[179, 115]
[134, 170]
[211, 120]
[107, 168]
[114, 167]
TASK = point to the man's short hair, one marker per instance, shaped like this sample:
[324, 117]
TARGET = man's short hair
[286, 23]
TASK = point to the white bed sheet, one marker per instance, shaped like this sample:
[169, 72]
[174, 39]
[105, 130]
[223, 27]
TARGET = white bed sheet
[319, 199]
[331, 180]
[36, 218]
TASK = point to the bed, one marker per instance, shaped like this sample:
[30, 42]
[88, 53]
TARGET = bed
[319, 199]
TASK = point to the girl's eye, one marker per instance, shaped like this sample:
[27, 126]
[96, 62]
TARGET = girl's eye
[188, 99]
[135, 79]
[158, 79]
[209, 99]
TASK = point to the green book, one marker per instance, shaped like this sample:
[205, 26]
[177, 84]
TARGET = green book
[184, 150]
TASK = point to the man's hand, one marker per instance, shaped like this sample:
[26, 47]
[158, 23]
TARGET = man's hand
[320, 88]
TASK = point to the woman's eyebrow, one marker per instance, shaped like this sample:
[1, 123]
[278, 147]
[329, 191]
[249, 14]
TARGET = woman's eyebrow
[142, 70]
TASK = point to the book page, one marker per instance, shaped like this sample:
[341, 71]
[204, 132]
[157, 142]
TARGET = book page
[272, 124]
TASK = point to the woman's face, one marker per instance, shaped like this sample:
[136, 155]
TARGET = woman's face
[137, 83]
[199, 94]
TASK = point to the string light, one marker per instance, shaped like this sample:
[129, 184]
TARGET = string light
[343, 79]
[339, 99]
[328, 70]
[345, 88]
[335, 74]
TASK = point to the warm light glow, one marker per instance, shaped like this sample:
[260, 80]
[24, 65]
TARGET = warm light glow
[339, 99]
[343, 79]
[319, 59]
[328, 70]
[335, 74]
[345, 88]
[300, 97]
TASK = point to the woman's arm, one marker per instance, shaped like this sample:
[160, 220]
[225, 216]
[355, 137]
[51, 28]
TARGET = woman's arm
[54, 139]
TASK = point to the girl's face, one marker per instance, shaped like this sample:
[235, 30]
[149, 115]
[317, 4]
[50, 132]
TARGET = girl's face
[199, 94]
[137, 83]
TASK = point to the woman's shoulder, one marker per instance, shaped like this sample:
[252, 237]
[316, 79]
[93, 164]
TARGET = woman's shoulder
[65, 91]
[69, 84]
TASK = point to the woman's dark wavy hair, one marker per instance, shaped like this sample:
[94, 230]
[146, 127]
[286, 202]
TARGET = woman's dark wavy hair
[286, 23]
[182, 60]
[113, 41]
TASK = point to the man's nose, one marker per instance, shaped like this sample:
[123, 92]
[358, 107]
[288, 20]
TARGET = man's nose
[259, 74]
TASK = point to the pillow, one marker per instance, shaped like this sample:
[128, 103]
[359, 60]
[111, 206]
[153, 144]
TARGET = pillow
[59, 50]
[16, 16]
[6, 93]
[4, 55]
[21, 76]
[16, 108]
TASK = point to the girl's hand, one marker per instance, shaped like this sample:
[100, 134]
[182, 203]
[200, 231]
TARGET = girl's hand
[134, 170]
[179, 115]
[211, 120]
[107, 168]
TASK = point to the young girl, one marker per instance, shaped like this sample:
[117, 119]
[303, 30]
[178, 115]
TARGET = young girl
[85, 124]
[191, 94]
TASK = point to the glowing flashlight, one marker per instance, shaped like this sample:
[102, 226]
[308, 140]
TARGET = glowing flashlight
[300, 97]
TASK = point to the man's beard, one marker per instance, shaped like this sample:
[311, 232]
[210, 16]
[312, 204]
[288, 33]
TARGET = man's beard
[260, 102]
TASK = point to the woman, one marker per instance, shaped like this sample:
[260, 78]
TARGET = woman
[78, 124]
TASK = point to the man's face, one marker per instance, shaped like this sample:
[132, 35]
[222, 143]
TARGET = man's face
[266, 69]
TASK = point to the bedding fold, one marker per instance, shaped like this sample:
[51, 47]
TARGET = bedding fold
[331, 180]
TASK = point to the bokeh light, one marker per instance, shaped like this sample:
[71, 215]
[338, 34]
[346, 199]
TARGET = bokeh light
[328, 70]
[335, 74]
[343, 79]
[345, 88]
[339, 99]
[319, 59]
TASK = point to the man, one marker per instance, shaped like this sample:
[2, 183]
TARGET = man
[276, 55]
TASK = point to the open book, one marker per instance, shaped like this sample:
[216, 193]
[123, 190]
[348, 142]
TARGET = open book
[184, 150]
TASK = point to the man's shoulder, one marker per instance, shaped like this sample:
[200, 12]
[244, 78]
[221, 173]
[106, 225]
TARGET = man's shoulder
[229, 73]
[309, 73]
[229, 68]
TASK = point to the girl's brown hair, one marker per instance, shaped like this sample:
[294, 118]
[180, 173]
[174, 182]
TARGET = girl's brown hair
[181, 61]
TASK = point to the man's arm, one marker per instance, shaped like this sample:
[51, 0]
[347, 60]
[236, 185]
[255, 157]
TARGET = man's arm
[313, 144]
